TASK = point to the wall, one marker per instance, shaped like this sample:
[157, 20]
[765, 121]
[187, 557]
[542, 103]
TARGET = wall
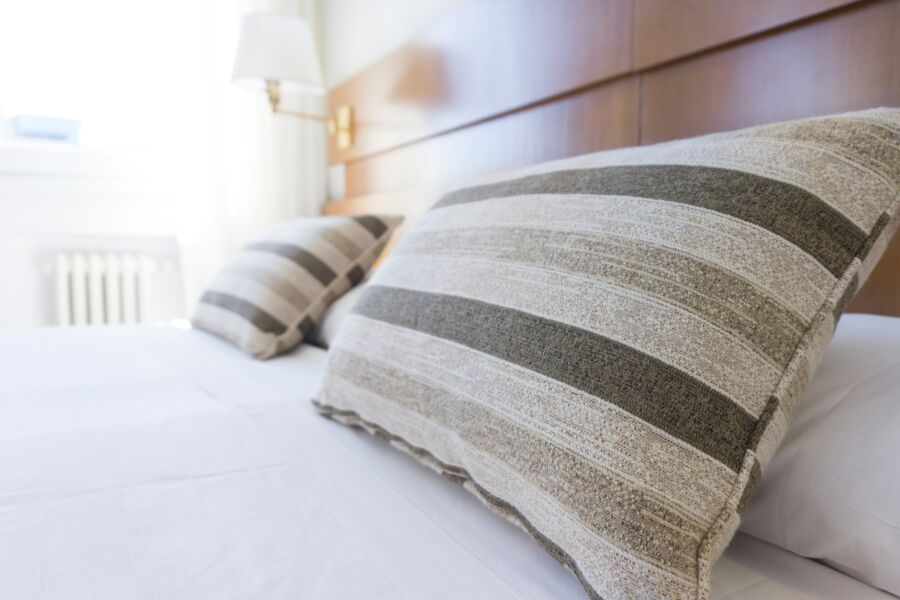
[173, 158]
[354, 33]
[139, 179]
[357, 32]
[68, 198]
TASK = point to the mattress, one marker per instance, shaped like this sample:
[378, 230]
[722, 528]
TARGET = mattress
[160, 462]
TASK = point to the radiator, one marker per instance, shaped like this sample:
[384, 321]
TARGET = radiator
[103, 288]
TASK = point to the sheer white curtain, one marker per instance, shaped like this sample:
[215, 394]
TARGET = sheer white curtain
[150, 83]
[265, 167]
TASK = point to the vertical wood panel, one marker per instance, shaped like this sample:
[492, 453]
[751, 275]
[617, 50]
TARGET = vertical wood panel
[487, 58]
[844, 61]
[595, 119]
[881, 293]
[668, 29]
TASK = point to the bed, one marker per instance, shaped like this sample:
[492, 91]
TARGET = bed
[162, 462]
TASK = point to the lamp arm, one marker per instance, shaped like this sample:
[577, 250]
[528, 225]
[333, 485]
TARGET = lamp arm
[303, 115]
[340, 125]
[274, 92]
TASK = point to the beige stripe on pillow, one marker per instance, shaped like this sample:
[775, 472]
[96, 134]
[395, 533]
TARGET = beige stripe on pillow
[606, 350]
[273, 291]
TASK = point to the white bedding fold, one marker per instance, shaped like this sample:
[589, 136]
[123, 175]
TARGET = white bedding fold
[162, 463]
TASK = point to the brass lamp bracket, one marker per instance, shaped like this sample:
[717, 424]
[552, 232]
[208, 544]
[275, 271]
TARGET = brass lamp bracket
[340, 125]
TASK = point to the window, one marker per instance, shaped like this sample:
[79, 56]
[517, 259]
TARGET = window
[134, 74]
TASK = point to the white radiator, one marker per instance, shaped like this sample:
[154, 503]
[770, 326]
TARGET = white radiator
[103, 288]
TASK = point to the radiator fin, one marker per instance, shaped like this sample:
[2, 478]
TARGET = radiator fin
[97, 289]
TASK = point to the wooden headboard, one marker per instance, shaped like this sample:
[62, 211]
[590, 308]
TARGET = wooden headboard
[498, 84]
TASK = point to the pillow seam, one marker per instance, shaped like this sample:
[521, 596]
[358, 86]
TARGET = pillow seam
[729, 508]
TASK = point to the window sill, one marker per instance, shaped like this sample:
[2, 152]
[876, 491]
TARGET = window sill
[47, 159]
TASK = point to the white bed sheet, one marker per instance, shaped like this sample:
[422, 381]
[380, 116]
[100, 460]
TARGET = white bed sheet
[161, 463]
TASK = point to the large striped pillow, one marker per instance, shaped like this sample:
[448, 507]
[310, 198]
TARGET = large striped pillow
[273, 291]
[606, 350]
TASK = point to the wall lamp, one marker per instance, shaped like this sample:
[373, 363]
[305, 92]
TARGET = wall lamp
[276, 53]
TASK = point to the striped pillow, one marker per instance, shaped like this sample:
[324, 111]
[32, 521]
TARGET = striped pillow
[273, 291]
[606, 350]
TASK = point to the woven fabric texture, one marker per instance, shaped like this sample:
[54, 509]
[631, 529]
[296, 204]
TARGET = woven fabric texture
[606, 350]
[273, 291]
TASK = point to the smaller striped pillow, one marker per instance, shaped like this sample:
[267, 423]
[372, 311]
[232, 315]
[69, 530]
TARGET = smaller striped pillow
[274, 290]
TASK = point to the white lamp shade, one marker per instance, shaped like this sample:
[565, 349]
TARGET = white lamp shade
[275, 47]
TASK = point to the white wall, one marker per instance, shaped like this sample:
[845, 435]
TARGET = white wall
[177, 98]
[59, 197]
[358, 32]
[135, 75]
[172, 155]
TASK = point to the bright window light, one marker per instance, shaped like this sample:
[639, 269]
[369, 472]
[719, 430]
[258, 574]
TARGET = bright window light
[135, 74]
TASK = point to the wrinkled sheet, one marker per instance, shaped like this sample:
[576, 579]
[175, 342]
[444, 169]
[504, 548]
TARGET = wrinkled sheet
[161, 463]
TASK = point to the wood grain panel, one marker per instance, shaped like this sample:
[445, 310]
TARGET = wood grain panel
[881, 293]
[846, 60]
[409, 203]
[667, 29]
[598, 118]
[459, 105]
[485, 59]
